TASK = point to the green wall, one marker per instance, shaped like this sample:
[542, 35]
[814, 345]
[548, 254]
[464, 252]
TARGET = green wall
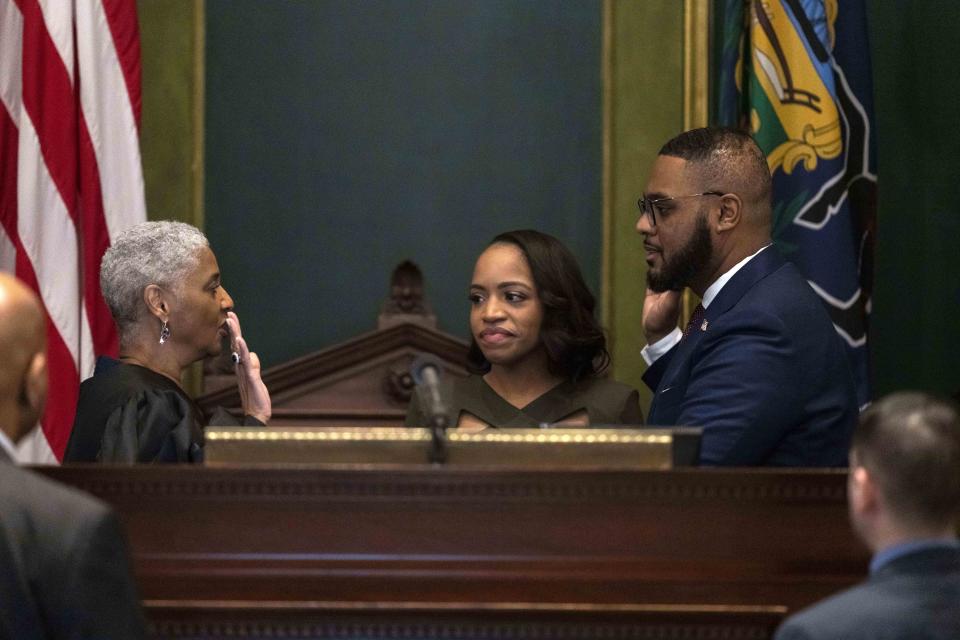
[916, 308]
[643, 107]
[171, 125]
[345, 137]
[916, 311]
[170, 132]
[645, 110]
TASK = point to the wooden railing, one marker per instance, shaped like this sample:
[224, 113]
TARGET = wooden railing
[447, 547]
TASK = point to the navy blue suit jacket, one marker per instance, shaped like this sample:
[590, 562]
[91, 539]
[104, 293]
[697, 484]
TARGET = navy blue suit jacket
[765, 375]
[915, 597]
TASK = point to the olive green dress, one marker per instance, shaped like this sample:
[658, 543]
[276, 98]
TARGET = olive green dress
[606, 402]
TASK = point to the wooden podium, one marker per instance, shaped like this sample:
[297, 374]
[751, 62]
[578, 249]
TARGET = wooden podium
[420, 551]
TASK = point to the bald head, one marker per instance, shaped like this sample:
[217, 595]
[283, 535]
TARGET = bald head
[729, 161]
[23, 375]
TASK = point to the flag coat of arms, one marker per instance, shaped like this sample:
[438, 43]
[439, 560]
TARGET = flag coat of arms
[70, 176]
[796, 74]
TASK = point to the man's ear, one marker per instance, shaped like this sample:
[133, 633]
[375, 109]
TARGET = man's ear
[35, 383]
[731, 210]
[156, 301]
[864, 492]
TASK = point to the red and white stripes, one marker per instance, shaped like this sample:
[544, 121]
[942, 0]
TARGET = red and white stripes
[70, 175]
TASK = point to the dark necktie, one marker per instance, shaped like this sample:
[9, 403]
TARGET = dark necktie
[696, 318]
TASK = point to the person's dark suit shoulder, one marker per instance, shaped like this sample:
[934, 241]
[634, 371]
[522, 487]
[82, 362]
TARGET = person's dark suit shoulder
[915, 597]
[64, 561]
[765, 375]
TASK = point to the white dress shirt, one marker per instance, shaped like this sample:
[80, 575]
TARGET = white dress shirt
[7, 445]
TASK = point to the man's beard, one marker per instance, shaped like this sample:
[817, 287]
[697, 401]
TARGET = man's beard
[691, 260]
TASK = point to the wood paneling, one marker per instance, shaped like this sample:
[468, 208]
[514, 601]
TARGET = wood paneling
[442, 621]
[362, 381]
[419, 534]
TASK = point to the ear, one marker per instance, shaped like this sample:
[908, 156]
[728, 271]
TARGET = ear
[35, 383]
[731, 210]
[156, 301]
[864, 493]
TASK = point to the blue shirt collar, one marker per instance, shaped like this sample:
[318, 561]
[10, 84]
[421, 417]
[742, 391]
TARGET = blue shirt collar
[888, 555]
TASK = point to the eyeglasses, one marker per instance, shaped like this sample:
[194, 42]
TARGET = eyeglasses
[650, 208]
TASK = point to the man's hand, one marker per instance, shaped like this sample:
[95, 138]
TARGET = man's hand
[661, 311]
[254, 397]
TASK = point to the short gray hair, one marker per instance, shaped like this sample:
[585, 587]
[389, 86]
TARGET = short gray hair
[160, 253]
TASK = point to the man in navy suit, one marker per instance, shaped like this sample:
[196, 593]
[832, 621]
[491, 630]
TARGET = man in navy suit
[64, 570]
[760, 367]
[904, 500]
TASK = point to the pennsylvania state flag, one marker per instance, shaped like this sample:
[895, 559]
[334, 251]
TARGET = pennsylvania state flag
[796, 74]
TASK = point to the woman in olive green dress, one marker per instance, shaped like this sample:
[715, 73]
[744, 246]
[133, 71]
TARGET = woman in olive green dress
[537, 351]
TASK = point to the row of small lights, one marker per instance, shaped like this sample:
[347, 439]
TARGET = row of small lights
[420, 435]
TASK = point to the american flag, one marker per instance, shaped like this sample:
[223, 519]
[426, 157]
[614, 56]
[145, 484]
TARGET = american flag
[70, 176]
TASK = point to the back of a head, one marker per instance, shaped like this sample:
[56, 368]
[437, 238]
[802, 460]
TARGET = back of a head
[727, 160]
[22, 329]
[22, 353]
[910, 444]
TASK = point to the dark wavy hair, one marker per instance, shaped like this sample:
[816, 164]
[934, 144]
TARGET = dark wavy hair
[573, 339]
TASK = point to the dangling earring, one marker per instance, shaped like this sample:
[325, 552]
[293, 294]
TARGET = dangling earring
[164, 332]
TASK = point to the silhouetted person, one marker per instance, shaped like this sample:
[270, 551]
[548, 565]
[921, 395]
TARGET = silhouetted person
[64, 570]
[904, 499]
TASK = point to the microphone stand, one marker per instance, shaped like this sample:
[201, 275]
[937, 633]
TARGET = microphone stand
[426, 373]
[438, 439]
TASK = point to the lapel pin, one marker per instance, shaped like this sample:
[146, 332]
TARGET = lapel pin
[703, 327]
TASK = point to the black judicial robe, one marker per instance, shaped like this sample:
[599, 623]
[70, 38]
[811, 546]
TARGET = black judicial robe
[127, 413]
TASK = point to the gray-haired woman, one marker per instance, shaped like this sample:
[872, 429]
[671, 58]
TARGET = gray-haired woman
[162, 284]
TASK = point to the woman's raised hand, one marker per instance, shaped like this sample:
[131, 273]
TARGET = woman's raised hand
[254, 397]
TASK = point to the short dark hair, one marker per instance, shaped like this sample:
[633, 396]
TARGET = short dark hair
[573, 339]
[910, 443]
[723, 151]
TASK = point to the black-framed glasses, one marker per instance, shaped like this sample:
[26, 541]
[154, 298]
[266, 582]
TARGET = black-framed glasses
[651, 209]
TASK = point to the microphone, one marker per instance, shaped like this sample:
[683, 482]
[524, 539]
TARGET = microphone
[427, 372]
